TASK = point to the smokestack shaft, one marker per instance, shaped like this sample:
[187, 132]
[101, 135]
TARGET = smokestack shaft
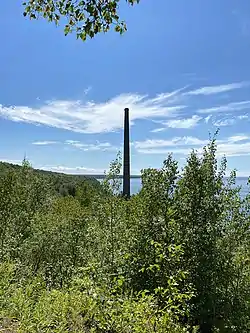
[126, 156]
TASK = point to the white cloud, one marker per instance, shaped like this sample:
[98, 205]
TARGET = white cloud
[156, 151]
[72, 142]
[209, 90]
[231, 107]
[224, 122]
[239, 137]
[101, 146]
[176, 141]
[72, 170]
[231, 146]
[97, 146]
[208, 118]
[229, 121]
[92, 117]
[85, 116]
[244, 116]
[183, 123]
[58, 168]
[6, 160]
[157, 130]
[178, 123]
[234, 149]
[44, 143]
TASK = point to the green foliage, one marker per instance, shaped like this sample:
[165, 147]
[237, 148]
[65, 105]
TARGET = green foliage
[22, 195]
[63, 184]
[214, 227]
[85, 18]
[55, 246]
[82, 307]
[173, 257]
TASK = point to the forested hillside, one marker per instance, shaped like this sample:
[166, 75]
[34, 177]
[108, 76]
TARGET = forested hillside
[174, 258]
[64, 184]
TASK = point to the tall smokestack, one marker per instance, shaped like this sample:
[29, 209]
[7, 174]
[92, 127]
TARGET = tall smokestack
[126, 156]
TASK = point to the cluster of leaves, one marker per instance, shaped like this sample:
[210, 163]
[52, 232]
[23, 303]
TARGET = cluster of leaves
[86, 18]
[174, 257]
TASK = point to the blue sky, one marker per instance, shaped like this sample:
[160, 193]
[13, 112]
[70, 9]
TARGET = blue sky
[182, 69]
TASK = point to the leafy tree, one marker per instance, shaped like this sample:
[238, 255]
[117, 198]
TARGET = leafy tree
[86, 18]
[22, 195]
[214, 230]
[154, 216]
[57, 244]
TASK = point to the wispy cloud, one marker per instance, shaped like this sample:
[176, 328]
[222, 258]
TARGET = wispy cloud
[237, 145]
[92, 117]
[243, 116]
[237, 138]
[173, 109]
[44, 143]
[72, 170]
[234, 149]
[184, 123]
[230, 107]
[157, 130]
[97, 146]
[210, 90]
[6, 160]
[176, 141]
[224, 122]
[58, 168]
[207, 119]
[85, 146]
[221, 122]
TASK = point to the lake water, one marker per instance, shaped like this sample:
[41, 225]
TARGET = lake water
[136, 185]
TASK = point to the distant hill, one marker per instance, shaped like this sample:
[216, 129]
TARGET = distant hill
[63, 183]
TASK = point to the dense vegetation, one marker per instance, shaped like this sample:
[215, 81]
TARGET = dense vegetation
[60, 183]
[174, 258]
